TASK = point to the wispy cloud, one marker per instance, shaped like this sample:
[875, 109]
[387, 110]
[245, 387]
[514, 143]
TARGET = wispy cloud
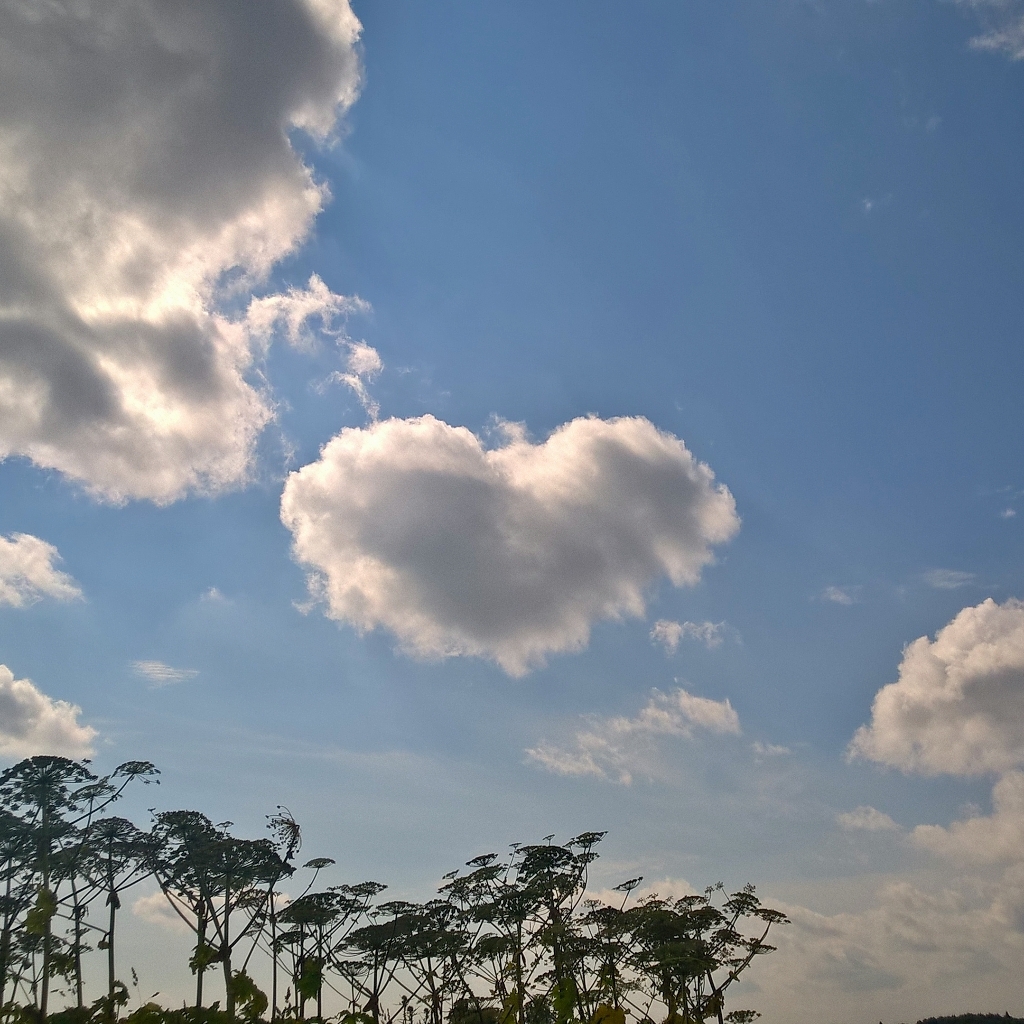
[948, 579]
[160, 674]
[839, 595]
[362, 366]
[670, 634]
[621, 747]
[1002, 26]
[867, 819]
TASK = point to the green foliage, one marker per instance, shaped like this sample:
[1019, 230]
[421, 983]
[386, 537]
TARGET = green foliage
[974, 1018]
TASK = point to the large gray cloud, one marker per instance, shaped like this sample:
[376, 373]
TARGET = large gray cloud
[958, 704]
[146, 172]
[509, 553]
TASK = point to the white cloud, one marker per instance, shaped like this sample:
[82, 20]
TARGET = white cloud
[983, 839]
[1008, 513]
[838, 595]
[146, 176]
[762, 750]
[27, 572]
[948, 579]
[362, 366]
[670, 634]
[32, 723]
[295, 308]
[958, 704]
[510, 553]
[153, 908]
[1002, 24]
[160, 674]
[622, 747]
[867, 819]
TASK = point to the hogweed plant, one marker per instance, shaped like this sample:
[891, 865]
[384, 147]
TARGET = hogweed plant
[507, 940]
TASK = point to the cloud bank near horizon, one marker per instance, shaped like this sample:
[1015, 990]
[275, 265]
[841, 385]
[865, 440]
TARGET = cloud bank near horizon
[511, 553]
[147, 180]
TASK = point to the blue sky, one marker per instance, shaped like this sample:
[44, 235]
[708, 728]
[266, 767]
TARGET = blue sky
[783, 234]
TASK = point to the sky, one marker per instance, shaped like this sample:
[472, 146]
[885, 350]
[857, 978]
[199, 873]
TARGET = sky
[466, 422]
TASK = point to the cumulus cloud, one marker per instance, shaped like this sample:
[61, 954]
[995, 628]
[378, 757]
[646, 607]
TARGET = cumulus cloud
[160, 674]
[154, 908]
[670, 634]
[508, 553]
[983, 839]
[32, 723]
[958, 704]
[867, 819]
[147, 179]
[28, 573]
[620, 747]
[838, 595]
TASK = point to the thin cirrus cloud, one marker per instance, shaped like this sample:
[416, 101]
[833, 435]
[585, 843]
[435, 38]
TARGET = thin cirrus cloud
[948, 579]
[620, 748]
[146, 173]
[28, 572]
[160, 674]
[32, 723]
[510, 553]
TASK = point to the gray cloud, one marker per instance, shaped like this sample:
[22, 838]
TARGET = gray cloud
[146, 173]
[510, 553]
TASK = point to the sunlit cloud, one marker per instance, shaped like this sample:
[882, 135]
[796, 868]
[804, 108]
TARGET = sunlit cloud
[509, 553]
[28, 572]
[620, 748]
[147, 179]
[957, 706]
[32, 723]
